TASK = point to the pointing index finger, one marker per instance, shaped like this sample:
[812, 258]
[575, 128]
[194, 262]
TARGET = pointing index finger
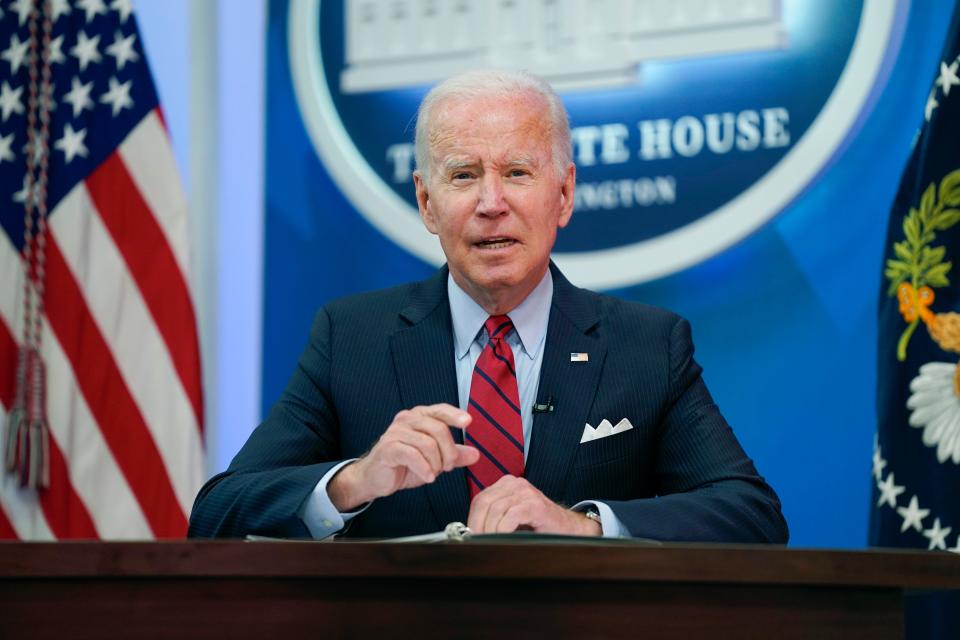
[448, 414]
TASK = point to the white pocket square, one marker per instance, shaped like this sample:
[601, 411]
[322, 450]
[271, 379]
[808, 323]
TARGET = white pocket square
[603, 430]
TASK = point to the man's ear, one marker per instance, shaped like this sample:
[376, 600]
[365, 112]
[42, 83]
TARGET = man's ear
[567, 188]
[423, 202]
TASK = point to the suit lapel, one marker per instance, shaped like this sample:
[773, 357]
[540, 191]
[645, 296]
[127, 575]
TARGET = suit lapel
[423, 359]
[573, 385]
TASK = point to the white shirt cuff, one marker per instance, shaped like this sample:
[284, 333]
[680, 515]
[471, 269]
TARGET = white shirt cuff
[318, 513]
[609, 522]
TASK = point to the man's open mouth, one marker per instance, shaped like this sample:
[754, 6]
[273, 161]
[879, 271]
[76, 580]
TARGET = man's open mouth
[496, 243]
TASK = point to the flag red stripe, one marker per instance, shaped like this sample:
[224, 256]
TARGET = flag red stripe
[106, 393]
[64, 510]
[7, 532]
[8, 365]
[153, 266]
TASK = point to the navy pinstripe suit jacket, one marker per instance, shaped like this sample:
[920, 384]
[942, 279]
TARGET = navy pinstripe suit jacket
[679, 474]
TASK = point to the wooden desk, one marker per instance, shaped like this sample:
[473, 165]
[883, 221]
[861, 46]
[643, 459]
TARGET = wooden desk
[200, 589]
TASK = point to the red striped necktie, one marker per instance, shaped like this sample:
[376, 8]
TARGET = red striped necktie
[496, 429]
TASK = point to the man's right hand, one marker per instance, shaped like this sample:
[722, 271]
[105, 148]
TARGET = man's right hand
[413, 451]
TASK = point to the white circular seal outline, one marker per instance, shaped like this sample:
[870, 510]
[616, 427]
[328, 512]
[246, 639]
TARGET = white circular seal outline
[605, 268]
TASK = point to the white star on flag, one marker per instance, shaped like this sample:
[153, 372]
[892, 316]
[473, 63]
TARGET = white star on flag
[931, 105]
[5, 153]
[878, 464]
[48, 94]
[889, 491]
[948, 77]
[93, 8]
[33, 149]
[122, 49]
[60, 8]
[937, 535]
[124, 8]
[16, 53]
[72, 143]
[79, 96]
[118, 97]
[56, 51]
[21, 196]
[85, 50]
[10, 102]
[912, 515]
[22, 8]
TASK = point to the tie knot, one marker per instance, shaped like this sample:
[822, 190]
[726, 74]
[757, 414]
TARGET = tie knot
[498, 326]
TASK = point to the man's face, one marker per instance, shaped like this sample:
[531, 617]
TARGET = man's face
[494, 195]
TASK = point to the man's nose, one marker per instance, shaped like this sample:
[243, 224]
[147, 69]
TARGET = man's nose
[492, 202]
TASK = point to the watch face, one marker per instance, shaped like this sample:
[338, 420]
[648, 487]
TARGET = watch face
[693, 122]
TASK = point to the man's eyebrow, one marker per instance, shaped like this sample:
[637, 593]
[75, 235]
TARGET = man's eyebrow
[521, 161]
[452, 164]
[456, 164]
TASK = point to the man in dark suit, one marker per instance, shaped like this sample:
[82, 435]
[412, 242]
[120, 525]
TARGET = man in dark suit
[496, 392]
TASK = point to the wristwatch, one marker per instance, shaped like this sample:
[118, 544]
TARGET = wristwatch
[595, 516]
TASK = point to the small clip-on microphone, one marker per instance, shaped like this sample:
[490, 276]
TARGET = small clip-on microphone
[544, 407]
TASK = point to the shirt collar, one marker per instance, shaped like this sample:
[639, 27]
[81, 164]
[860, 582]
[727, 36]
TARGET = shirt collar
[529, 318]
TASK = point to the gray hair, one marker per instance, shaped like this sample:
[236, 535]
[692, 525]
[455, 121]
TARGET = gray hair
[494, 83]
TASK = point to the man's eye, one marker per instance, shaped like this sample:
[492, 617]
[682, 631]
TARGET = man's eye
[461, 175]
[518, 173]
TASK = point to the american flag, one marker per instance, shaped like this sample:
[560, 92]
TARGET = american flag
[82, 137]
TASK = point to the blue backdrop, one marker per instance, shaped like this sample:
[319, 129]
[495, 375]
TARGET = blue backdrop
[784, 321]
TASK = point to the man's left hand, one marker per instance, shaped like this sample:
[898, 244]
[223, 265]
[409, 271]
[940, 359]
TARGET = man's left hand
[512, 503]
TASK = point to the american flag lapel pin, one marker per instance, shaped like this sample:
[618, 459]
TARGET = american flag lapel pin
[579, 357]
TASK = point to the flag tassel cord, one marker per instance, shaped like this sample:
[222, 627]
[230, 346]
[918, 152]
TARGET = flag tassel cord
[27, 442]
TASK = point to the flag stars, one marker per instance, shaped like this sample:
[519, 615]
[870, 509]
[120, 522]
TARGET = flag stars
[79, 96]
[931, 105]
[937, 535]
[6, 154]
[948, 77]
[16, 53]
[878, 463]
[47, 96]
[92, 8]
[85, 51]
[889, 491]
[59, 8]
[72, 143]
[22, 8]
[118, 96]
[912, 515]
[33, 150]
[10, 101]
[21, 196]
[55, 53]
[122, 49]
[124, 8]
